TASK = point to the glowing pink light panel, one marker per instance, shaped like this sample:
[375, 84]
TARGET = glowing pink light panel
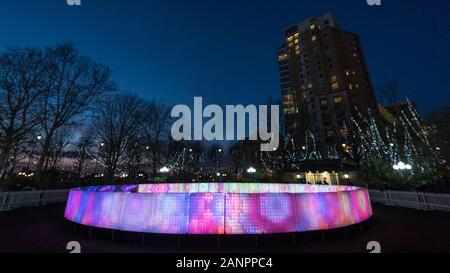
[218, 208]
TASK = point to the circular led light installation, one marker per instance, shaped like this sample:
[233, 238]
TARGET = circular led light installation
[218, 208]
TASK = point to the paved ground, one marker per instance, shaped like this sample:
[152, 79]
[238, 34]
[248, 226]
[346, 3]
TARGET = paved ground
[43, 229]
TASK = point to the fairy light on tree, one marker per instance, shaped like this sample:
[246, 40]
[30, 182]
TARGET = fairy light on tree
[401, 139]
[187, 160]
[332, 152]
[314, 153]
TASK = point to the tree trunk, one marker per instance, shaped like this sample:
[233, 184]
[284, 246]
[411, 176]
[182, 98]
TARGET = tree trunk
[4, 155]
[13, 167]
[42, 160]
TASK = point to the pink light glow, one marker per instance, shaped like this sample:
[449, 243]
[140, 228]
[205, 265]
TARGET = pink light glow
[219, 208]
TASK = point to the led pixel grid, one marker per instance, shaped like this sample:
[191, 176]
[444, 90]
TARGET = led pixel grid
[218, 208]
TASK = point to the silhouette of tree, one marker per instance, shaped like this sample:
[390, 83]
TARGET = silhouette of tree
[74, 83]
[22, 84]
[117, 121]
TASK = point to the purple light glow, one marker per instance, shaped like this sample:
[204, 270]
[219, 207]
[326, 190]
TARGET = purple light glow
[218, 208]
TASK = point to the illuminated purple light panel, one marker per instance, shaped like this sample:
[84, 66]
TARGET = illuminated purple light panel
[218, 208]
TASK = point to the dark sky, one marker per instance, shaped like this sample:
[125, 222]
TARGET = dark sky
[225, 51]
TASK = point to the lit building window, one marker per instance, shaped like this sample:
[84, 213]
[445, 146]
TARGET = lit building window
[313, 38]
[282, 57]
[337, 99]
[289, 97]
[290, 39]
[296, 35]
[296, 41]
[333, 78]
[290, 110]
[350, 86]
[335, 86]
[344, 131]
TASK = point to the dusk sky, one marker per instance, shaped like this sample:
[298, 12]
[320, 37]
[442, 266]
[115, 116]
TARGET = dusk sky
[226, 51]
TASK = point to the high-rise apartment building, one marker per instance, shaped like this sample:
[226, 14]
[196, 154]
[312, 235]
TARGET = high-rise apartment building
[323, 76]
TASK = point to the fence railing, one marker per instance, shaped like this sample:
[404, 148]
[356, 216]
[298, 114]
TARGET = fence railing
[415, 200]
[12, 200]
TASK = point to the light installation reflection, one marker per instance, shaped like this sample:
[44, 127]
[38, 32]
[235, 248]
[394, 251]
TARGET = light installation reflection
[218, 208]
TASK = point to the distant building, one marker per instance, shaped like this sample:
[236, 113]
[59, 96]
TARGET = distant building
[332, 172]
[323, 76]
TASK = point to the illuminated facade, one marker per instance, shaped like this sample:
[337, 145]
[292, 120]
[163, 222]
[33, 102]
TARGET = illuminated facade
[218, 208]
[331, 172]
[323, 76]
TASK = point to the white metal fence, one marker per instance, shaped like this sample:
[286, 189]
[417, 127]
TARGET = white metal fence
[415, 200]
[12, 200]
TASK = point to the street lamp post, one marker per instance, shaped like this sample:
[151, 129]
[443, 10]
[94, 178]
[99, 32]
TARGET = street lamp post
[218, 174]
[252, 172]
[96, 160]
[401, 167]
[164, 170]
[38, 138]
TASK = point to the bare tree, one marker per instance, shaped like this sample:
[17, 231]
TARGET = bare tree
[75, 83]
[177, 155]
[117, 121]
[59, 142]
[83, 148]
[134, 154]
[185, 157]
[22, 82]
[18, 154]
[216, 155]
[237, 157]
[156, 130]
